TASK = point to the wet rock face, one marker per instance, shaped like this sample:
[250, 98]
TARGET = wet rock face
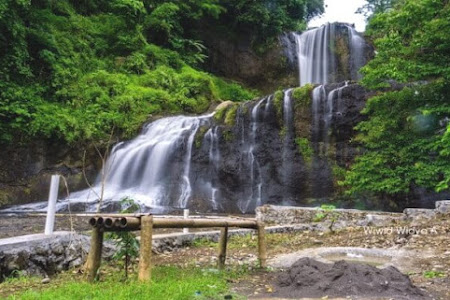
[25, 170]
[237, 60]
[260, 161]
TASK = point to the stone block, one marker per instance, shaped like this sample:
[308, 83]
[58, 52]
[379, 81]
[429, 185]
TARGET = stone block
[443, 207]
[419, 213]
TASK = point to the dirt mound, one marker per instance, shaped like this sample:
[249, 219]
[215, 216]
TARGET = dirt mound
[310, 278]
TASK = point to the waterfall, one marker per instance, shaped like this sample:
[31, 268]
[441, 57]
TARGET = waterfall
[255, 195]
[317, 52]
[315, 59]
[154, 168]
[288, 138]
[214, 159]
[357, 46]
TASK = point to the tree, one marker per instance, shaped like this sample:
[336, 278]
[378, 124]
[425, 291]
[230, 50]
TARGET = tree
[373, 7]
[407, 134]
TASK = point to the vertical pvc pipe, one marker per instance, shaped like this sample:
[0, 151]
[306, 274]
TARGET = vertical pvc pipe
[52, 197]
[185, 216]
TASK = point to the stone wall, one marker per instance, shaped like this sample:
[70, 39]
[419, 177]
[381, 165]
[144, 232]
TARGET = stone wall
[272, 214]
[44, 255]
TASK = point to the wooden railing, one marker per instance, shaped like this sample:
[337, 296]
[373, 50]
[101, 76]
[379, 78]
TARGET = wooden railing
[146, 223]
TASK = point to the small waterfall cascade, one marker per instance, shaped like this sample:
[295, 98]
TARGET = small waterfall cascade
[288, 133]
[315, 59]
[251, 162]
[325, 104]
[154, 168]
[320, 54]
[212, 136]
[358, 45]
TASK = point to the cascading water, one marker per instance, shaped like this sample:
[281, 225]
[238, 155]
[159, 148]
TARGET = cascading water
[255, 196]
[288, 138]
[147, 168]
[214, 158]
[317, 52]
[316, 62]
[358, 44]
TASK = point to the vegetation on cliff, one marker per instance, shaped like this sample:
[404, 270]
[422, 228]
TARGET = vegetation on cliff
[73, 70]
[407, 134]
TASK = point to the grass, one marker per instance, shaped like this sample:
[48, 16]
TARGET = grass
[249, 242]
[168, 282]
[433, 274]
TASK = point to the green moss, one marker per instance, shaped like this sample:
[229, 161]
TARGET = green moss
[199, 136]
[228, 135]
[305, 149]
[230, 116]
[302, 95]
[220, 114]
[278, 97]
[283, 132]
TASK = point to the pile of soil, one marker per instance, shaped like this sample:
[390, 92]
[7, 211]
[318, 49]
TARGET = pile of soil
[310, 278]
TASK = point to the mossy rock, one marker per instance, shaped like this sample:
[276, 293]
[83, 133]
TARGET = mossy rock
[230, 115]
[221, 110]
[199, 136]
[278, 98]
[302, 96]
[305, 149]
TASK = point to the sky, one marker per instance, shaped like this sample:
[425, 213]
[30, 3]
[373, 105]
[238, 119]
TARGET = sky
[341, 11]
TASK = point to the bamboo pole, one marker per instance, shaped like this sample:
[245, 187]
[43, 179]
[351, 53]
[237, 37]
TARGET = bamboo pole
[202, 223]
[223, 239]
[262, 246]
[145, 251]
[95, 254]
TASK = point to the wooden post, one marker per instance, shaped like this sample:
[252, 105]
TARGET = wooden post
[223, 239]
[145, 251]
[262, 247]
[95, 254]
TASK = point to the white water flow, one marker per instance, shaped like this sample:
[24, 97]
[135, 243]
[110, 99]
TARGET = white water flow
[288, 132]
[214, 159]
[147, 168]
[318, 94]
[315, 60]
[357, 46]
[255, 178]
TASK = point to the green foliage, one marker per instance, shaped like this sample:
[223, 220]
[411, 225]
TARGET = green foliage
[406, 136]
[327, 211]
[73, 70]
[433, 274]
[230, 116]
[373, 7]
[220, 114]
[411, 43]
[417, 154]
[125, 241]
[168, 282]
[278, 98]
[302, 95]
[226, 90]
[263, 21]
[305, 149]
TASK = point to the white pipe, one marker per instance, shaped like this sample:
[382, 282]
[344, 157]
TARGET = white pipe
[52, 197]
[185, 216]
